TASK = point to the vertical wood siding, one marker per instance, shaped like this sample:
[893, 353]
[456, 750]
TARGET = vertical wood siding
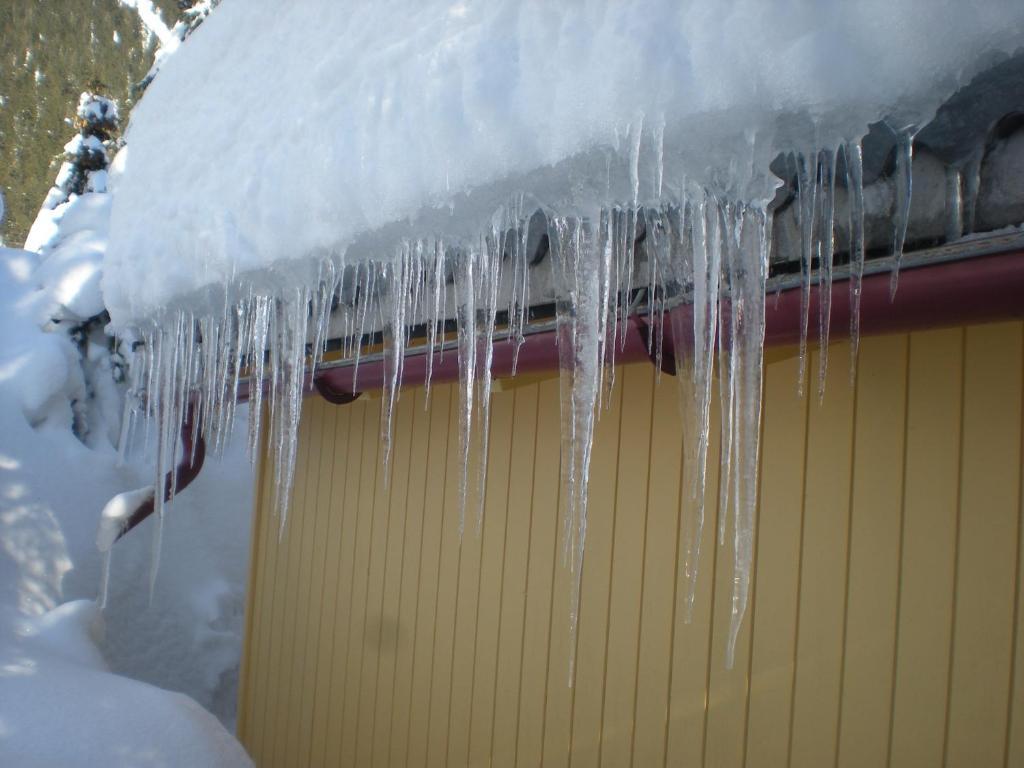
[884, 624]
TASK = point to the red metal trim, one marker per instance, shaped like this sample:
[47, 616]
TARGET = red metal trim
[976, 290]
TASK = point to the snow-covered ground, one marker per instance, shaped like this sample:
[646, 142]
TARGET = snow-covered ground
[66, 693]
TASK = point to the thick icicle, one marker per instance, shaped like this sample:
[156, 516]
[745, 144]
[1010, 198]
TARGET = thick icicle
[489, 276]
[855, 189]
[695, 351]
[971, 174]
[901, 211]
[723, 242]
[397, 276]
[749, 273]
[807, 190]
[954, 204]
[827, 252]
[578, 308]
[465, 294]
[435, 285]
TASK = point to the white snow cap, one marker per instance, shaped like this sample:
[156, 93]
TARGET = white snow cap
[284, 131]
[116, 513]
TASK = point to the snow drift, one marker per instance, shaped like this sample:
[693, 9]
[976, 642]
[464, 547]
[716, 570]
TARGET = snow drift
[244, 152]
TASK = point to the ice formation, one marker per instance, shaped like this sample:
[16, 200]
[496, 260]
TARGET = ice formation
[391, 177]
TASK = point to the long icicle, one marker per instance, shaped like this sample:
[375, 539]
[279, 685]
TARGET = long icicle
[807, 189]
[901, 212]
[827, 251]
[855, 188]
[748, 288]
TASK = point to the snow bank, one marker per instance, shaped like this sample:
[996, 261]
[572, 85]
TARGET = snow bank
[244, 153]
[62, 706]
[59, 704]
[72, 239]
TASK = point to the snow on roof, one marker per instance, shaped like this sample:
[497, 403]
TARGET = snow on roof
[293, 130]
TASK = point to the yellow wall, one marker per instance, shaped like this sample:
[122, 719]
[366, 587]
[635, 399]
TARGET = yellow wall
[884, 625]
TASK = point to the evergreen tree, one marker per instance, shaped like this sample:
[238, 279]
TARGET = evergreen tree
[86, 156]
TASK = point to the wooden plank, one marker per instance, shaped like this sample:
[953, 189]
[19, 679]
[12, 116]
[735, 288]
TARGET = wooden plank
[335, 507]
[517, 557]
[260, 602]
[387, 635]
[345, 592]
[447, 593]
[874, 570]
[270, 629]
[823, 575]
[928, 548]
[407, 635]
[426, 614]
[557, 708]
[307, 519]
[290, 542]
[466, 607]
[380, 528]
[540, 578]
[727, 687]
[627, 565]
[356, 620]
[690, 665]
[659, 572]
[1015, 728]
[489, 583]
[986, 575]
[310, 665]
[596, 586]
[773, 652]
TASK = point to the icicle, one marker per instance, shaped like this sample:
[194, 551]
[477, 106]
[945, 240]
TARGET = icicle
[131, 405]
[749, 273]
[901, 212]
[363, 297]
[578, 310]
[292, 372]
[257, 356]
[105, 578]
[855, 188]
[397, 277]
[722, 241]
[807, 189]
[608, 307]
[707, 271]
[971, 185]
[489, 277]
[520, 301]
[466, 321]
[827, 240]
[435, 318]
[954, 205]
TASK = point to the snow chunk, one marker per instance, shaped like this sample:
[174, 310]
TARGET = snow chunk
[116, 513]
[430, 113]
[70, 710]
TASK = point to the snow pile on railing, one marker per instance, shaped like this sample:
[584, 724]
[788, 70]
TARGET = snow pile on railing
[317, 169]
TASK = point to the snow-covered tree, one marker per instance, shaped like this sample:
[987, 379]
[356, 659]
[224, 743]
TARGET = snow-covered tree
[193, 14]
[86, 156]
[70, 235]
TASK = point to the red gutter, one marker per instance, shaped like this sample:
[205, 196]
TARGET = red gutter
[178, 480]
[976, 290]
